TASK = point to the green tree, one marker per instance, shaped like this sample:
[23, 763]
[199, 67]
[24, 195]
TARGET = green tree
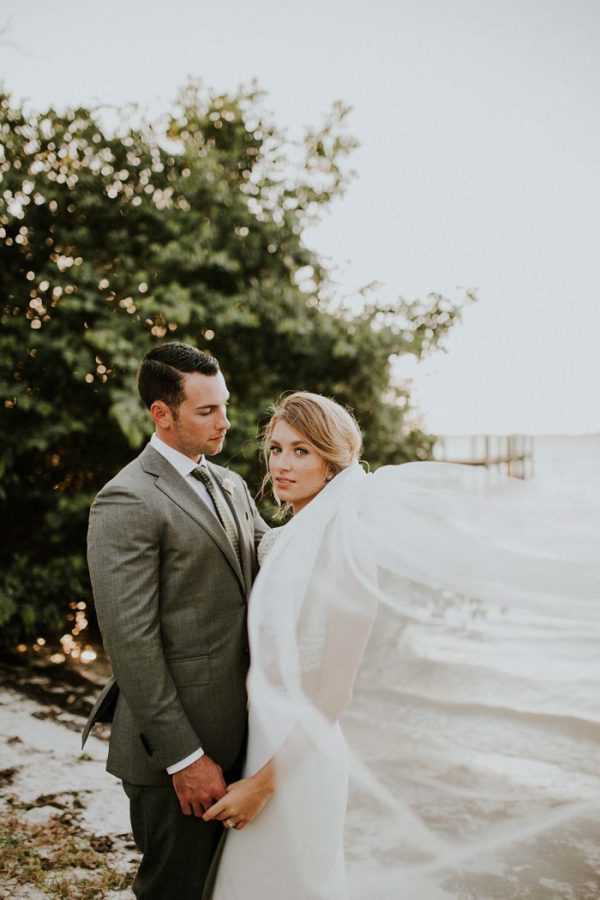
[189, 228]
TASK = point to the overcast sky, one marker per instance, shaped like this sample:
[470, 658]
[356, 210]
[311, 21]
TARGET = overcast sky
[479, 164]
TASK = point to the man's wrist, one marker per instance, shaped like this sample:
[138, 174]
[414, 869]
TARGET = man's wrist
[184, 763]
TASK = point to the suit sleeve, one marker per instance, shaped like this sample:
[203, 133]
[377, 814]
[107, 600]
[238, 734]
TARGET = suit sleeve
[123, 558]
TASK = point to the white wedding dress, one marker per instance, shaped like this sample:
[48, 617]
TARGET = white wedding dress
[461, 758]
[263, 860]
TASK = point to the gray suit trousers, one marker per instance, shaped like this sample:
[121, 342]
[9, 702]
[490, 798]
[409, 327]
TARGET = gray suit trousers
[177, 850]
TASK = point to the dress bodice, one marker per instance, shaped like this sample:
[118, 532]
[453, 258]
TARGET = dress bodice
[267, 542]
[311, 631]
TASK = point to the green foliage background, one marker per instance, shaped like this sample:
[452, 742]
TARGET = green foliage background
[188, 228]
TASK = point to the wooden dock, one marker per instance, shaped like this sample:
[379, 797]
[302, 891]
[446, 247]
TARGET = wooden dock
[509, 453]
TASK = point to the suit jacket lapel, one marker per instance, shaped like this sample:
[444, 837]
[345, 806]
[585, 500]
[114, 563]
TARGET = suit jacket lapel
[170, 482]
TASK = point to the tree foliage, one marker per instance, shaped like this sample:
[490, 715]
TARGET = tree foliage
[188, 228]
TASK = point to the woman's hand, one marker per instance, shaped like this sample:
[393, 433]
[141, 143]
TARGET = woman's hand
[243, 800]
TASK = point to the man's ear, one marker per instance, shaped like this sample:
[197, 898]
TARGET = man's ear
[162, 415]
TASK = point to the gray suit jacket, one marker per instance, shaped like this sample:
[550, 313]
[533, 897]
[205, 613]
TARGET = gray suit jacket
[171, 597]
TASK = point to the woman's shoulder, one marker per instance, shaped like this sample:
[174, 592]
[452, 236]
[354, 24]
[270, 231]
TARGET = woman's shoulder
[267, 542]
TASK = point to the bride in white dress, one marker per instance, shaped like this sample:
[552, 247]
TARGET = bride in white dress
[264, 860]
[423, 718]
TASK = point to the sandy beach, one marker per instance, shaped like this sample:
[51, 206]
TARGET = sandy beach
[65, 827]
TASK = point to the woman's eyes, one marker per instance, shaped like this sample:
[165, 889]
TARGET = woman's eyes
[301, 451]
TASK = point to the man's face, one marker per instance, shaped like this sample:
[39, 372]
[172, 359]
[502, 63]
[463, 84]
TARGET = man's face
[200, 424]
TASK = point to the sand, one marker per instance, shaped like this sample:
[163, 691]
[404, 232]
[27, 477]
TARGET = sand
[65, 826]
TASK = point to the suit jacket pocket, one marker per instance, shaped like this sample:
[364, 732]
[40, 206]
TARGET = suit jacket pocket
[187, 672]
[104, 708]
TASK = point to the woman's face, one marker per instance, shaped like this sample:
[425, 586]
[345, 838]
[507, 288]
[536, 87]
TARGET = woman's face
[297, 470]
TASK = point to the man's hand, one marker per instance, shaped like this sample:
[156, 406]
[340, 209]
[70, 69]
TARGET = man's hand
[198, 786]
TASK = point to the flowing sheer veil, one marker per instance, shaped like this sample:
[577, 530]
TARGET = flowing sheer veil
[471, 718]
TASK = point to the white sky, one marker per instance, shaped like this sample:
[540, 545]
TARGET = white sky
[479, 164]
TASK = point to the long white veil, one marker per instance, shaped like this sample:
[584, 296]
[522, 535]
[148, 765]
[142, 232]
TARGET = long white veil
[472, 718]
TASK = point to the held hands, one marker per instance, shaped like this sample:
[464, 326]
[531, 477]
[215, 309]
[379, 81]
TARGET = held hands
[244, 799]
[198, 786]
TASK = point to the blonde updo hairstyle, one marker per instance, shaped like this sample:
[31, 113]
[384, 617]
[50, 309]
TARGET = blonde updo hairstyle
[328, 427]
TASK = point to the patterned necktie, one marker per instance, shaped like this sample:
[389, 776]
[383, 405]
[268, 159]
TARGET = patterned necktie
[202, 474]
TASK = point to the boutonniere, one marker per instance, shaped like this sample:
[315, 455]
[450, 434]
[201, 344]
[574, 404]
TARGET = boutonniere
[228, 484]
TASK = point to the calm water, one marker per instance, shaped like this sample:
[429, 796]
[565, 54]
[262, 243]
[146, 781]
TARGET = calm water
[570, 464]
[567, 463]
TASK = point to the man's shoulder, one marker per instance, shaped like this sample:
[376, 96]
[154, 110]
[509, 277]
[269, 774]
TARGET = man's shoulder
[129, 474]
[133, 478]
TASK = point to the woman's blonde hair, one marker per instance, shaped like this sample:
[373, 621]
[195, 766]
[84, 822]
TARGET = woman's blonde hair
[330, 428]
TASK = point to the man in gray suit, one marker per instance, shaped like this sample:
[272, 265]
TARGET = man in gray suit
[172, 555]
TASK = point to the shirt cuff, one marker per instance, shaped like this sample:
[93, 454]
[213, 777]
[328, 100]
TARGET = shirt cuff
[177, 767]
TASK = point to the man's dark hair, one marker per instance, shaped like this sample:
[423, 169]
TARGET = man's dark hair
[161, 373]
